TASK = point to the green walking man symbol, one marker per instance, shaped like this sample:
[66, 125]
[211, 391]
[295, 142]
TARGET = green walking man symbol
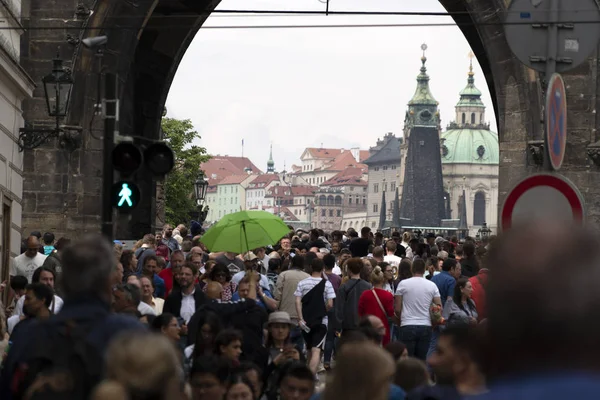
[125, 195]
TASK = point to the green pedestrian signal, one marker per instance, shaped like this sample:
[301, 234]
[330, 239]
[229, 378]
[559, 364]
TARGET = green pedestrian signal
[125, 196]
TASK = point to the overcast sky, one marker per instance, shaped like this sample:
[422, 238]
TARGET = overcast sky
[298, 88]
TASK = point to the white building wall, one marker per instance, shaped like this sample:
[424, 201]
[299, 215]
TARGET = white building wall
[354, 220]
[377, 173]
[477, 178]
[15, 86]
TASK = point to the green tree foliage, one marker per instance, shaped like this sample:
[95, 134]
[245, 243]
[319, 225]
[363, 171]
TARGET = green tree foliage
[179, 184]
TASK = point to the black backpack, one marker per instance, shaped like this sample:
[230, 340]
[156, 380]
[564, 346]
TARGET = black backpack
[62, 365]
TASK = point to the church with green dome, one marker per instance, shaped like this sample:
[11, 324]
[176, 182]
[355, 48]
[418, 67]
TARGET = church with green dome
[470, 162]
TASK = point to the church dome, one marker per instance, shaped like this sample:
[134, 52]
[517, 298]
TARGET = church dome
[470, 146]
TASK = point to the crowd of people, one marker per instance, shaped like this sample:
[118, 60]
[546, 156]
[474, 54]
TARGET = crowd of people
[340, 315]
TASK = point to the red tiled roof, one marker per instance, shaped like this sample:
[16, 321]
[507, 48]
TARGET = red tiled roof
[348, 177]
[304, 190]
[234, 179]
[295, 191]
[219, 167]
[289, 215]
[265, 179]
[323, 153]
[343, 161]
[334, 153]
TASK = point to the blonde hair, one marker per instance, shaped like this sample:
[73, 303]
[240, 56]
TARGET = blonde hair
[146, 364]
[377, 277]
[370, 382]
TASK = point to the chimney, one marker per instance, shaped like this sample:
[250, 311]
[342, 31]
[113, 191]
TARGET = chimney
[356, 153]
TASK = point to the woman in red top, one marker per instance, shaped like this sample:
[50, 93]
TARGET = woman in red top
[377, 302]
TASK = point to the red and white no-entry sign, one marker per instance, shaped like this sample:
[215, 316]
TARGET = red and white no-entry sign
[542, 196]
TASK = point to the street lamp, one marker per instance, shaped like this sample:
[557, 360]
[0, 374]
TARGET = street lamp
[484, 232]
[200, 188]
[57, 90]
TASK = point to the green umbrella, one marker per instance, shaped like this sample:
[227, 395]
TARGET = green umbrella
[245, 230]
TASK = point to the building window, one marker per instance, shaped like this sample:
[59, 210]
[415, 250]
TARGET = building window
[479, 208]
[339, 213]
[331, 213]
[375, 207]
[364, 201]
[473, 118]
[352, 188]
[464, 118]
[349, 200]
[376, 169]
[372, 224]
[394, 166]
[385, 167]
[393, 186]
[323, 212]
[376, 188]
[385, 187]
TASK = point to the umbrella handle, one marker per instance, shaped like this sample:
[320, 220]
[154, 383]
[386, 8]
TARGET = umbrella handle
[245, 235]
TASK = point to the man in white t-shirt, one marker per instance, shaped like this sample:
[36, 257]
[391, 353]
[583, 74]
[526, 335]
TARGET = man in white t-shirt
[47, 277]
[28, 262]
[391, 258]
[414, 297]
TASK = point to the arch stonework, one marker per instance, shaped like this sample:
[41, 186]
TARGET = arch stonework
[147, 40]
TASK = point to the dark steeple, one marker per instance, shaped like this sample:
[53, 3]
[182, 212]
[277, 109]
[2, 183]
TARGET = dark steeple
[422, 200]
[382, 212]
[271, 163]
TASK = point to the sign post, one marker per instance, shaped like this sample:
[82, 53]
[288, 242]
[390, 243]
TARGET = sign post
[553, 36]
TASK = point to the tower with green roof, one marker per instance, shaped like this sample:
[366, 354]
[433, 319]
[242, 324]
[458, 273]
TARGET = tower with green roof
[271, 163]
[470, 160]
[422, 201]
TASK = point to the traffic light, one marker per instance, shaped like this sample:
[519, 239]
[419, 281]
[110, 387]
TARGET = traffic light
[125, 196]
[159, 159]
[127, 158]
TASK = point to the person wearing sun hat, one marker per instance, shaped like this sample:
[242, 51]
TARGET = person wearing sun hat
[251, 264]
[280, 348]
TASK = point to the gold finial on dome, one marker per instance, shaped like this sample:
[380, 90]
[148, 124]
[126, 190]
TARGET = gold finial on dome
[424, 48]
[471, 57]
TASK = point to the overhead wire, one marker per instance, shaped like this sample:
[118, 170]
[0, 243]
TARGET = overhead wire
[307, 13]
[306, 26]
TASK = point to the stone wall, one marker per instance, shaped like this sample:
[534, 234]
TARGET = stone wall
[62, 191]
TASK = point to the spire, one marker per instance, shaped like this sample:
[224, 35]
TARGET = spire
[382, 212]
[470, 95]
[396, 215]
[423, 94]
[271, 163]
[462, 207]
[471, 73]
[422, 108]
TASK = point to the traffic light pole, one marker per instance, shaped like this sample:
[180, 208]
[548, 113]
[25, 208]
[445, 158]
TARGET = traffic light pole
[110, 109]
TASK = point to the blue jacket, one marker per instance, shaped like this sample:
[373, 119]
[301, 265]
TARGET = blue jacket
[445, 283]
[395, 393]
[557, 386]
[106, 326]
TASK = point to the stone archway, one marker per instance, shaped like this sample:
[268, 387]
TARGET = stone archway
[147, 40]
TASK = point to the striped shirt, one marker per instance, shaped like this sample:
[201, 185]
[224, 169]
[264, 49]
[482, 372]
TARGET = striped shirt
[306, 285]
